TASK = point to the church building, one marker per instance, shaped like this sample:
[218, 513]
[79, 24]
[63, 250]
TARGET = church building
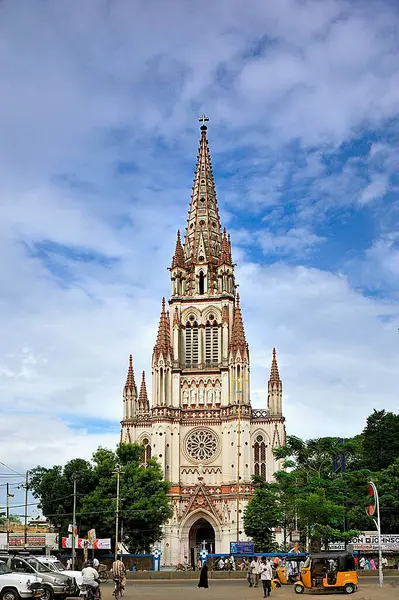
[200, 426]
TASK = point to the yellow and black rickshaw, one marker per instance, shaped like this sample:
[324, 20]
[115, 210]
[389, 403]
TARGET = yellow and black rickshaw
[288, 572]
[328, 571]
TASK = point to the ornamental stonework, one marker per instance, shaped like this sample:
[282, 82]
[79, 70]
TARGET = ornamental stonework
[201, 446]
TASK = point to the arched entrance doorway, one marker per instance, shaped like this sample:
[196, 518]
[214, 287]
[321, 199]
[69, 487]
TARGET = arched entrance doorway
[201, 533]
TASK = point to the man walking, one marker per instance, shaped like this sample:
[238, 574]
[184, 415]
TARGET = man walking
[266, 576]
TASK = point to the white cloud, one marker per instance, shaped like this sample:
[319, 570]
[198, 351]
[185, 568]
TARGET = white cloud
[84, 90]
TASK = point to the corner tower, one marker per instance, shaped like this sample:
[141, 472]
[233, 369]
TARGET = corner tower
[201, 427]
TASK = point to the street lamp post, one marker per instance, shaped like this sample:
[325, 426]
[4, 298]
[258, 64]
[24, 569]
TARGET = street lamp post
[371, 510]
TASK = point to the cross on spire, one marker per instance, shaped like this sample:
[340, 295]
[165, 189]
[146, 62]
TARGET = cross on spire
[203, 119]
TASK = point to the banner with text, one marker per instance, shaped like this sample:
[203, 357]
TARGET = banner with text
[102, 544]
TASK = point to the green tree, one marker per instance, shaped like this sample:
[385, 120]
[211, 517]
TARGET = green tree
[144, 504]
[387, 482]
[263, 513]
[381, 440]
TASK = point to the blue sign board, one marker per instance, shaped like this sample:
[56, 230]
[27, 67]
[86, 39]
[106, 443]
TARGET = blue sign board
[242, 547]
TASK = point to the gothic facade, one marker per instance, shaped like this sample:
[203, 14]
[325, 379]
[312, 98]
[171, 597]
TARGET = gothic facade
[201, 426]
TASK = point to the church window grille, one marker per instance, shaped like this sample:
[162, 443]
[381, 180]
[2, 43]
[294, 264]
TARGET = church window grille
[260, 457]
[191, 344]
[211, 342]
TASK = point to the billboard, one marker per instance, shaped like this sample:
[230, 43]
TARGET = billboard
[242, 547]
[368, 542]
[102, 544]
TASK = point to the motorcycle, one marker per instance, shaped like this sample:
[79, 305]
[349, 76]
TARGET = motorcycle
[87, 592]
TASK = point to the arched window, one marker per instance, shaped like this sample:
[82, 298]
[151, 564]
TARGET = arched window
[191, 342]
[201, 282]
[211, 341]
[260, 456]
[147, 450]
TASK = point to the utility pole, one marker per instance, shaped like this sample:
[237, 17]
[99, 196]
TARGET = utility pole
[26, 510]
[8, 515]
[74, 524]
[118, 473]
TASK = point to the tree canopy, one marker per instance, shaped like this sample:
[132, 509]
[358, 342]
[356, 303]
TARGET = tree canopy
[322, 488]
[144, 504]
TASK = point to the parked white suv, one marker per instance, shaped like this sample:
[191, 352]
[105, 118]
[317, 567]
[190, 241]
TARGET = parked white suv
[14, 586]
[57, 566]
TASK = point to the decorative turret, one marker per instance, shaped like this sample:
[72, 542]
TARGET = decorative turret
[163, 345]
[238, 341]
[178, 270]
[239, 358]
[130, 393]
[226, 268]
[162, 358]
[275, 389]
[143, 403]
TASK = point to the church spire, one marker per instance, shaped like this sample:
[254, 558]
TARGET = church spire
[163, 343]
[178, 257]
[143, 397]
[274, 374]
[130, 382]
[203, 239]
[238, 340]
[275, 389]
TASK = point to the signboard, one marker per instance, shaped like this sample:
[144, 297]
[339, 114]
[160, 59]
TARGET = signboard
[91, 536]
[368, 542]
[37, 540]
[102, 544]
[242, 547]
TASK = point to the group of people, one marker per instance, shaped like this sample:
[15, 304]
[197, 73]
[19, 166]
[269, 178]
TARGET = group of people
[260, 569]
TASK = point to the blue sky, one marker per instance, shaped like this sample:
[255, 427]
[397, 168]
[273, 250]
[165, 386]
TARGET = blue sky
[99, 108]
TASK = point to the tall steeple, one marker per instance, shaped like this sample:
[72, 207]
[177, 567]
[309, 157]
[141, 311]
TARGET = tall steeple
[129, 393]
[275, 389]
[203, 239]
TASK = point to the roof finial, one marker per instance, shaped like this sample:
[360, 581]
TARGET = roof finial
[203, 119]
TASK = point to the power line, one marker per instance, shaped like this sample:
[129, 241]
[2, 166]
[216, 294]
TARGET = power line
[11, 469]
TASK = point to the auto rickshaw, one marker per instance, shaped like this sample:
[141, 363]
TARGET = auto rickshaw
[328, 571]
[286, 575]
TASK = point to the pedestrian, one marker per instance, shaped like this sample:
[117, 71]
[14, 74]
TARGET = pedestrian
[384, 562]
[249, 574]
[257, 571]
[362, 563]
[96, 563]
[203, 580]
[232, 563]
[69, 564]
[266, 576]
[221, 564]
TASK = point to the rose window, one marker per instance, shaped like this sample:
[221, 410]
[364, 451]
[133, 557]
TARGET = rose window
[202, 445]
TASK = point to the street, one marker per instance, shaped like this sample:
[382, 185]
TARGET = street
[235, 590]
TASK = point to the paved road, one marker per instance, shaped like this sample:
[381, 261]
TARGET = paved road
[236, 590]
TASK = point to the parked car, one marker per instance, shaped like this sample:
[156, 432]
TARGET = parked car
[54, 584]
[56, 566]
[15, 586]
